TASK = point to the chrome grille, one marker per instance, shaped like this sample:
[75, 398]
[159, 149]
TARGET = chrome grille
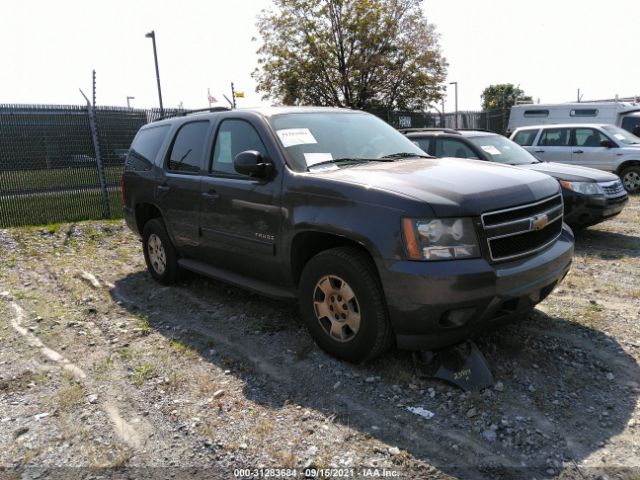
[613, 189]
[520, 231]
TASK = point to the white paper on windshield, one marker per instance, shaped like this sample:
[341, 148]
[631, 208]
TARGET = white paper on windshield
[296, 136]
[619, 136]
[491, 150]
[313, 158]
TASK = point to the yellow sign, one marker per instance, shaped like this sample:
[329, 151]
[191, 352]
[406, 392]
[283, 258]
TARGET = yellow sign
[239, 94]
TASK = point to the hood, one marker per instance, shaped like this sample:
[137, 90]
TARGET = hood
[571, 173]
[450, 186]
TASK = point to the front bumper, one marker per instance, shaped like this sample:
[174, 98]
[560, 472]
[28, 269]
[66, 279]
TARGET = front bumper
[581, 210]
[435, 304]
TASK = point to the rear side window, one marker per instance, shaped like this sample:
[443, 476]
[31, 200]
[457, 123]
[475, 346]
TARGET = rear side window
[234, 136]
[525, 138]
[555, 137]
[145, 147]
[186, 152]
[454, 148]
[536, 113]
[423, 143]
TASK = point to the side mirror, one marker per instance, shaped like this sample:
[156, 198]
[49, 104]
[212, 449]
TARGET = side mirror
[251, 163]
[607, 144]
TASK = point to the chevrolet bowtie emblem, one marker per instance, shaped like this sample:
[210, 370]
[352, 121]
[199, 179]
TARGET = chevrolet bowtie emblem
[539, 222]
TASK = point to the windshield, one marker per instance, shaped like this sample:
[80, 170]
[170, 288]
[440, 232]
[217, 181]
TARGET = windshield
[621, 135]
[502, 150]
[323, 137]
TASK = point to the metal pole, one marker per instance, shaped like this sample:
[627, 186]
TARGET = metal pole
[93, 85]
[233, 95]
[456, 103]
[130, 98]
[152, 36]
[102, 181]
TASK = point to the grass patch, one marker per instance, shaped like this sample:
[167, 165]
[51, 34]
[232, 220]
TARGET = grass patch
[48, 208]
[70, 395]
[183, 349]
[143, 373]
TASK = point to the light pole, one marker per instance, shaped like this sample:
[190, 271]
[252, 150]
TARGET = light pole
[128, 99]
[152, 36]
[456, 117]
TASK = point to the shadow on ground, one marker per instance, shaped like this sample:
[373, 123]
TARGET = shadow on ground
[565, 390]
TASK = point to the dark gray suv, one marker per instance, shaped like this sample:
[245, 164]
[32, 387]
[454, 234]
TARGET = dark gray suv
[379, 243]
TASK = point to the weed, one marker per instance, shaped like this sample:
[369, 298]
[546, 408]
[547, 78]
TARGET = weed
[143, 373]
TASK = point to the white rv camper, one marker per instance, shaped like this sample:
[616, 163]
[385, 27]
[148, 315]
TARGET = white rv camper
[622, 114]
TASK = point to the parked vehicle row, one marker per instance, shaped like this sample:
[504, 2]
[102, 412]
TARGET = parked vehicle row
[380, 243]
[590, 196]
[601, 146]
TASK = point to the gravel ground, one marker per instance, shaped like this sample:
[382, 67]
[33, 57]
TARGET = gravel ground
[104, 373]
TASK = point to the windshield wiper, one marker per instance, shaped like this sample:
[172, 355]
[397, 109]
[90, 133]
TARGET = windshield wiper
[341, 161]
[405, 155]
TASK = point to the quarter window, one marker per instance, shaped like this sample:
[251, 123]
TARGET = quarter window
[555, 137]
[234, 136]
[589, 137]
[525, 138]
[145, 147]
[186, 152]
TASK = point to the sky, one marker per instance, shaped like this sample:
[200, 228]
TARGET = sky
[548, 47]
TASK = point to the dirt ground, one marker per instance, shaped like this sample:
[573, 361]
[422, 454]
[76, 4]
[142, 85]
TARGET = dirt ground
[104, 373]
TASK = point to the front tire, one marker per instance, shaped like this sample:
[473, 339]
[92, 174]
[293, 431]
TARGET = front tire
[631, 179]
[343, 306]
[159, 253]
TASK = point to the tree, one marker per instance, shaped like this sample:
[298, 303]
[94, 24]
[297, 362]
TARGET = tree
[502, 96]
[363, 54]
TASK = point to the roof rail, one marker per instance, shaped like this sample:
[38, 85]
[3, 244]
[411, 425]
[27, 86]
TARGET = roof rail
[200, 110]
[416, 130]
[184, 113]
[475, 130]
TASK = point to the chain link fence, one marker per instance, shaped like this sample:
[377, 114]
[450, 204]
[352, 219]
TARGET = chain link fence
[494, 120]
[51, 169]
[63, 163]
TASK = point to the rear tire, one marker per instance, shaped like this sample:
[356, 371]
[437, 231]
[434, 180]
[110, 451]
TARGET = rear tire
[159, 253]
[631, 179]
[342, 305]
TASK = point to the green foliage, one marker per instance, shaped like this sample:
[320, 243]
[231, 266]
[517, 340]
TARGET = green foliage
[502, 95]
[364, 54]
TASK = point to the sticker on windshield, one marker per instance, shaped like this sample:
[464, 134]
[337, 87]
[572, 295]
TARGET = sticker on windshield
[313, 158]
[490, 149]
[619, 136]
[296, 136]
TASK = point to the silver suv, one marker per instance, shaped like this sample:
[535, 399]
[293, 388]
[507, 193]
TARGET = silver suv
[601, 146]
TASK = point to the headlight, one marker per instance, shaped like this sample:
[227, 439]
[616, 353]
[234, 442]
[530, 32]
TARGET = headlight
[440, 239]
[586, 188]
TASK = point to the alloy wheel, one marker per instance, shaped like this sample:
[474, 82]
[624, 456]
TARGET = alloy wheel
[336, 308]
[157, 255]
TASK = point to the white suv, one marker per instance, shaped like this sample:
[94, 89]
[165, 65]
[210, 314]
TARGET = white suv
[606, 147]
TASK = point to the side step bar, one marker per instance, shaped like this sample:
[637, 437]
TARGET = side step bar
[258, 286]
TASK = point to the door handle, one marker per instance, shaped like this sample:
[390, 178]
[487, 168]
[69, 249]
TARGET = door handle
[539, 151]
[211, 195]
[162, 190]
[578, 151]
